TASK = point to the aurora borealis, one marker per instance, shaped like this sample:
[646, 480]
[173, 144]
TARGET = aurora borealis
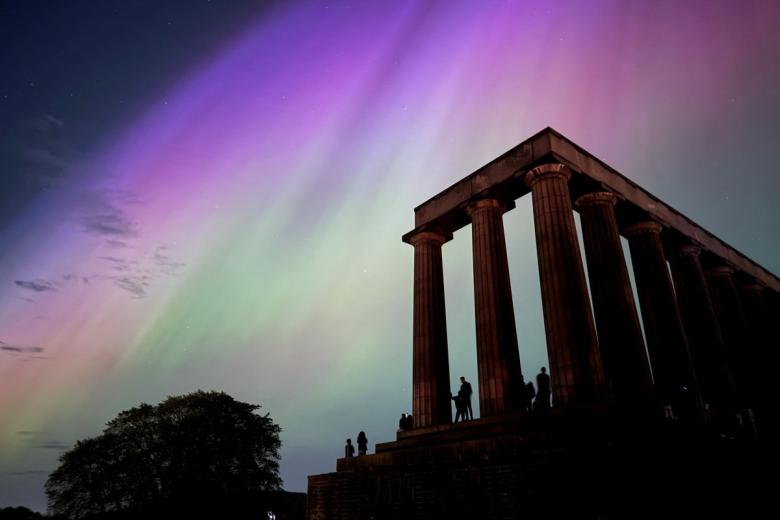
[239, 229]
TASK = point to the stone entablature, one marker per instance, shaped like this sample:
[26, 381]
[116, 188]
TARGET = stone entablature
[504, 176]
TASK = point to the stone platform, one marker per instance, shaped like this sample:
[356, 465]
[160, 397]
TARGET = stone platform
[578, 464]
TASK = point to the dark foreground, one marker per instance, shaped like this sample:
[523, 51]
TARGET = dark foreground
[550, 466]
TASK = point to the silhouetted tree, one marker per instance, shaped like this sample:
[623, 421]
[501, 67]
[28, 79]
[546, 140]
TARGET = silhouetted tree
[18, 513]
[200, 451]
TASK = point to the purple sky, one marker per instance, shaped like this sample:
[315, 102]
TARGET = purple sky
[211, 194]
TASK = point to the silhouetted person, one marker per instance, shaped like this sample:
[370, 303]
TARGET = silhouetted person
[402, 423]
[542, 401]
[460, 407]
[528, 396]
[465, 394]
[349, 449]
[409, 421]
[362, 443]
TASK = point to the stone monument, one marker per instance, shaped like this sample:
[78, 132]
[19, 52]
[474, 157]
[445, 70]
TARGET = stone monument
[639, 421]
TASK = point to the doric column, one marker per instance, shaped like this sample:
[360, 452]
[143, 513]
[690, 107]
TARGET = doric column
[733, 325]
[758, 321]
[431, 373]
[673, 374]
[760, 349]
[772, 304]
[701, 328]
[626, 367]
[498, 360]
[753, 303]
[575, 363]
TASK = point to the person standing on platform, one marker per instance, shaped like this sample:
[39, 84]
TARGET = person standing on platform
[362, 443]
[528, 396]
[349, 449]
[543, 392]
[465, 395]
[460, 407]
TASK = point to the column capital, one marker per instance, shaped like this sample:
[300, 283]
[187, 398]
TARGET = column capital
[641, 228]
[605, 198]
[721, 270]
[484, 203]
[547, 171]
[429, 235]
[689, 250]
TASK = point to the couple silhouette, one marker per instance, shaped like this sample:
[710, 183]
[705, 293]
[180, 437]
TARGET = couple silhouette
[463, 401]
[362, 442]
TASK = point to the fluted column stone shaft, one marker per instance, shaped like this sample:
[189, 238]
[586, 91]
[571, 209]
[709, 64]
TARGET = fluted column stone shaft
[769, 385]
[701, 328]
[498, 359]
[673, 373]
[761, 350]
[575, 363]
[626, 367]
[772, 305]
[734, 327]
[756, 316]
[430, 386]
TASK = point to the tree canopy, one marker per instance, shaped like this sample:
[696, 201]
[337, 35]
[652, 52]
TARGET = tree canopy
[18, 513]
[203, 449]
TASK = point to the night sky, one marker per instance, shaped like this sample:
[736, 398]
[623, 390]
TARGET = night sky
[203, 194]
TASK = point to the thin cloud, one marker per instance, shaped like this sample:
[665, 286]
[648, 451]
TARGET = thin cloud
[117, 263]
[124, 197]
[54, 445]
[133, 285]
[40, 285]
[75, 277]
[43, 144]
[135, 273]
[30, 472]
[115, 259]
[112, 222]
[102, 215]
[165, 262]
[45, 123]
[138, 274]
[37, 285]
[22, 350]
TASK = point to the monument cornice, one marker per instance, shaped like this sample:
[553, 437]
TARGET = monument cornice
[505, 175]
